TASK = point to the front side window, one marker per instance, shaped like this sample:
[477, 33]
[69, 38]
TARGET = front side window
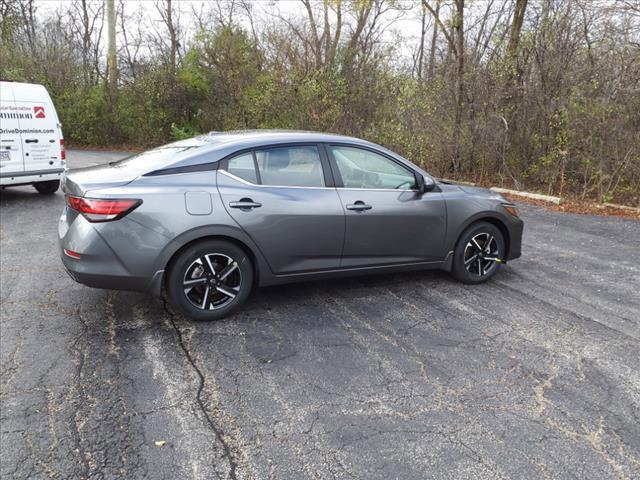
[361, 168]
[290, 166]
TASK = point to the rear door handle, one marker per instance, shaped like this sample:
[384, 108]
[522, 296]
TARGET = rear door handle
[359, 206]
[31, 140]
[245, 203]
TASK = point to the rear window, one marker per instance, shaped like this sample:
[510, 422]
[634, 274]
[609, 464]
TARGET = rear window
[155, 158]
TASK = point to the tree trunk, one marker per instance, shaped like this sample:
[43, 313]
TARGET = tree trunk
[421, 47]
[459, 34]
[434, 39]
[174, 41]
[516, 27]
[111, 53]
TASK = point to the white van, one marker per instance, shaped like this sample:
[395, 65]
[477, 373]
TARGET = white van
[31, 143]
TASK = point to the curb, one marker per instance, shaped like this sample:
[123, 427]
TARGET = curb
[534, 196]
[622, 207]
[541, 197]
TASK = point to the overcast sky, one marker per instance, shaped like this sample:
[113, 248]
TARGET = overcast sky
[403, 32]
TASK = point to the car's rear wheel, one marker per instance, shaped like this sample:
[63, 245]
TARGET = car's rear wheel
[478, 253]
[47, 188]
[209, 280]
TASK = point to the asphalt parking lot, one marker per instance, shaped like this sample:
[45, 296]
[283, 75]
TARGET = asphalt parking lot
[533, 375]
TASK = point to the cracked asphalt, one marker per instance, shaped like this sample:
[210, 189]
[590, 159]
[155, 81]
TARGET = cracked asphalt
[533, 375]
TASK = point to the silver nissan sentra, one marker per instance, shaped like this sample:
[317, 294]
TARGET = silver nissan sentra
[211, 217]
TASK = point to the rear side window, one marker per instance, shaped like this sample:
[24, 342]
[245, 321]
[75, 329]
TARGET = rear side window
[242, 166]
[286, 167]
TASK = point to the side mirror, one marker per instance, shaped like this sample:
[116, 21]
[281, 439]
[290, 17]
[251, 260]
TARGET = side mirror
[424, 184]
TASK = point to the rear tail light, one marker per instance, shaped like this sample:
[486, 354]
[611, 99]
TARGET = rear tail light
[102, 210]
[72, 254]
[63, 150]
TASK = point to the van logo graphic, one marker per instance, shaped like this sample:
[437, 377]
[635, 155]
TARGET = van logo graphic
[38, 112]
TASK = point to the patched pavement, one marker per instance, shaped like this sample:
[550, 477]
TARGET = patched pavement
[533, 375]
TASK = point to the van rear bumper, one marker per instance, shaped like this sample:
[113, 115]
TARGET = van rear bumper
[27, 178]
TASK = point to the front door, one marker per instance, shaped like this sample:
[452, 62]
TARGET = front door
[280, 197]
[387, 220]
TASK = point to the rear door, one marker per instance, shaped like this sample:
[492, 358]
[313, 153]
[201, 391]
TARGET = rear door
[387, 220]
[284, 199]
[10, 139]
[40, 130]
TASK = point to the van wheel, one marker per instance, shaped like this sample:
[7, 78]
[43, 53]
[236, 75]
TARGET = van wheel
[210, 280]
[47, 188]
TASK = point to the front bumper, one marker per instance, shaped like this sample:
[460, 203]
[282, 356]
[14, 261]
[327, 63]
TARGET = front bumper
[515, 227]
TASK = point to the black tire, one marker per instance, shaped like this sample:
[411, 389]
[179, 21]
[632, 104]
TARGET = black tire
[190, 266]
[472, 256]
[47, 188]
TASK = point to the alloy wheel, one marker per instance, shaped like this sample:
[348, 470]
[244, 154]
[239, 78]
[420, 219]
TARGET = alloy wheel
[481, 254]
[212, 281]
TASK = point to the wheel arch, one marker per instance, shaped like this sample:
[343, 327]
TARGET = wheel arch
[225, 238]
[225, 233]
[488, 217]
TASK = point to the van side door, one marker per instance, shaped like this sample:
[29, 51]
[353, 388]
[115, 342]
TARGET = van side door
[40, 135]
[11, 160]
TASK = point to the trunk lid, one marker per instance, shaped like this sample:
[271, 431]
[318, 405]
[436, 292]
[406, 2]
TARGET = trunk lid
[79, 181]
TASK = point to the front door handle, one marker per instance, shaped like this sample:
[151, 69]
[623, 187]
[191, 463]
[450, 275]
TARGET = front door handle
[359, 206]
[245, 203]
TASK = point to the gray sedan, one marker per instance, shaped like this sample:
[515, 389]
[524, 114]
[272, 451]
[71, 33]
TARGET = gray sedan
[211, 217]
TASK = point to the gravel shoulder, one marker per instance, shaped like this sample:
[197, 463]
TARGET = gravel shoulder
[534, 375]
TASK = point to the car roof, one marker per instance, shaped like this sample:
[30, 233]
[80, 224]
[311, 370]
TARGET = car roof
[260, 137]
[214, 146]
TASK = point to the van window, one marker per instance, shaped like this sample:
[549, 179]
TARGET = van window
[291, 166]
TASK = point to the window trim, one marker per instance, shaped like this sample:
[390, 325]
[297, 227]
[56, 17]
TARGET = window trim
[327, 173]
[338, 177]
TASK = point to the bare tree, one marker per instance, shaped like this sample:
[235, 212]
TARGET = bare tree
[434, 37]
[456, 45]
[168, 17]
[514, 32]
[87, 20]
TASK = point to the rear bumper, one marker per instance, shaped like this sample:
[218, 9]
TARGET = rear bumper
[79, 273]
[98, 265]
[27, 178]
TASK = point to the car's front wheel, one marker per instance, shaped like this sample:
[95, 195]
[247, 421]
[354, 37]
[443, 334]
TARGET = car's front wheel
[478, 253]
[209, 280]
[47, 188]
